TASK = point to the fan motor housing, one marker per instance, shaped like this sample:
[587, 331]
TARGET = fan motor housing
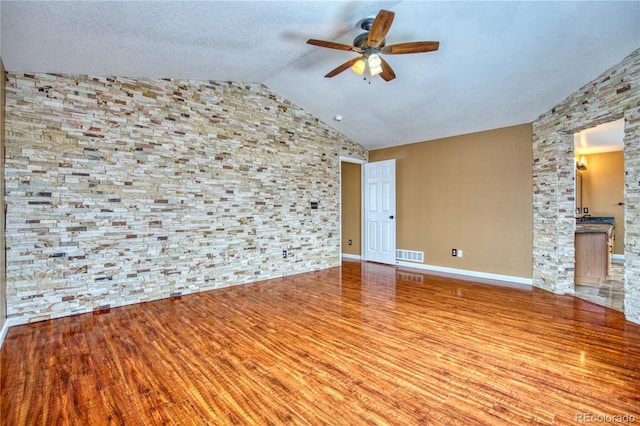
[361, 41]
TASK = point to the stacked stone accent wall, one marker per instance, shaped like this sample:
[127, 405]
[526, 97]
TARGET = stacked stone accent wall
[122, 191]
[3, 286]
[612, 95]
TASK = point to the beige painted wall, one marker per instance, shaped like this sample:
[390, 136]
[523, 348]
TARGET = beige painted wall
[603, 189]
[3, 275]
[471, 192]
[351, 208]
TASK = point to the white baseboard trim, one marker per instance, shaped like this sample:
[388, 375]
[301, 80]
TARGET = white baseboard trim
[483, 277]
[3, 331]
[351, 256]
[617, 257]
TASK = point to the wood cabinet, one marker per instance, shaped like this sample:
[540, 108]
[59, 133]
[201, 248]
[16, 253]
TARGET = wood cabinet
[594, 246]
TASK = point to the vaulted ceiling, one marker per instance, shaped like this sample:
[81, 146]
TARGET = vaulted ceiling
[500, 63]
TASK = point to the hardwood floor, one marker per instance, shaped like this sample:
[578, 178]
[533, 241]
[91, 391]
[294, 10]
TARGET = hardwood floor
[360, 344]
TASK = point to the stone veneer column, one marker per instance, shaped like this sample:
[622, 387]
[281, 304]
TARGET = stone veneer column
[3, 276]
[553, 209]
[614, 94]
[632, 207]
[122, 191]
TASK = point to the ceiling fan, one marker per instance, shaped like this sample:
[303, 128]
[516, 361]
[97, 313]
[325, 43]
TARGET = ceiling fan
[371, 44]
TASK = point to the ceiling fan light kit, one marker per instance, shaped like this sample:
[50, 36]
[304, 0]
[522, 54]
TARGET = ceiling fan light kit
[371, 44]
[373, 63]
[359, 66]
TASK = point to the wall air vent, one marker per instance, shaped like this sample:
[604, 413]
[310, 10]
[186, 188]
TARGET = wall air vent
[410, 255]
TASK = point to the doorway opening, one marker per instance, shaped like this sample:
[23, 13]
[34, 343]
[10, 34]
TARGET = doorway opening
[368, 210]
[351, 208]
[599, 195]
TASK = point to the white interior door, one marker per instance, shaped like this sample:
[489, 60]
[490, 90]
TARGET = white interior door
[379, 243]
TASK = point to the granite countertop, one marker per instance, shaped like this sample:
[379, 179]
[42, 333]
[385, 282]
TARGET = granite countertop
[610, 220]
[593, 227]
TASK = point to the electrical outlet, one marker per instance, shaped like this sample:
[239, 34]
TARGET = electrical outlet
[350, 242]
[454, 252]
[585, 210]
[284, 254]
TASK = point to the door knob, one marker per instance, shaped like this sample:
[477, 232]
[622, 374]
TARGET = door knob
[391, 217]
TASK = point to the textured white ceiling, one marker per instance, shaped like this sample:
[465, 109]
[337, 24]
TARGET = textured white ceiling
[499, 63]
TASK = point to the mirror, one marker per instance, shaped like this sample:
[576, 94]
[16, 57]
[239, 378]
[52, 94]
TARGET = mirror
[604, 138]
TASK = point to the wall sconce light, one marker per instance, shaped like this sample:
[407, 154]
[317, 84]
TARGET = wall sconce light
[582, 163]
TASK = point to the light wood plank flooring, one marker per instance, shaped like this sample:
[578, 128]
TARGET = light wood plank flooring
[357, 344]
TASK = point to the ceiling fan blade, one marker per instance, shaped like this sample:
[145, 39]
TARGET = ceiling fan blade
[412, 47]
[332, 45]
[380, 28]
[387, 73]
[342, 67]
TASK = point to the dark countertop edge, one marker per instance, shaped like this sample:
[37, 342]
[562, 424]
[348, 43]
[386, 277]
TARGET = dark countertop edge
[610, 220]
